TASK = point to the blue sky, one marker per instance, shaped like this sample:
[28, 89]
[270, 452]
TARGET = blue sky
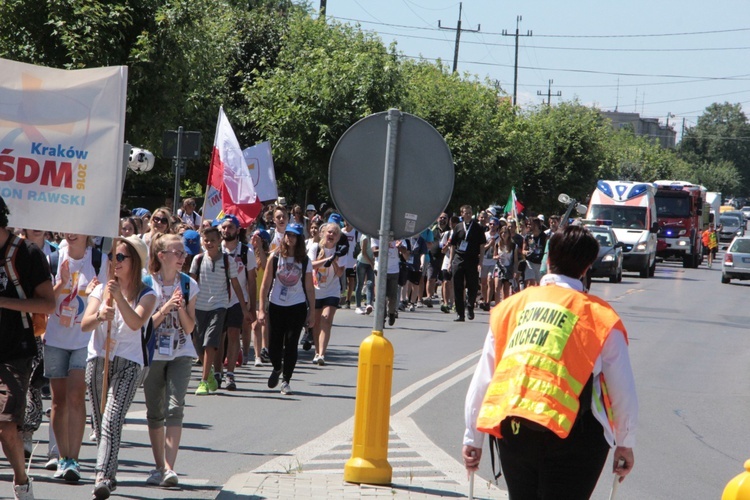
[657, 57]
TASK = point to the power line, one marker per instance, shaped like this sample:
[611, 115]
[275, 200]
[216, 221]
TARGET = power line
[645, 35]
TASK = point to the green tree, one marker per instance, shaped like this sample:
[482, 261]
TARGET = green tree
[327, 76]
[721, 135]
[471, 117]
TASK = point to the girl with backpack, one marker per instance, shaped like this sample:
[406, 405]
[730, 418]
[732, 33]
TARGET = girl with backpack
[287, 299]
[122, 324]
[168, 375]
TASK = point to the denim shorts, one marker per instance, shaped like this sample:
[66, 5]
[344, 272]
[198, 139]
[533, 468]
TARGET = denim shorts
[58, 361]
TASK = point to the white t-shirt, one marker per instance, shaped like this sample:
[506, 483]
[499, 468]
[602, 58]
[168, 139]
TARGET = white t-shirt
[392, 255]
[236, 254]
[488, 254]
[180, 341]
[193, 219]
[288, 286]
[447, 235]
[64, 324]
[348, 260]
[127, 342]
[276, 240]
[327, 284]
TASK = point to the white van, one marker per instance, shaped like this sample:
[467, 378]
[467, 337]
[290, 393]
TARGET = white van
[630, 208]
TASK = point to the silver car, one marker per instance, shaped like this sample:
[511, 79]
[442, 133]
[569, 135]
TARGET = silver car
[736, 264]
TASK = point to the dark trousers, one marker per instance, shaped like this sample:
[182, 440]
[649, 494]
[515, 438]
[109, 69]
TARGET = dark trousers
[538, 465]
[285, 329]
[465, 277]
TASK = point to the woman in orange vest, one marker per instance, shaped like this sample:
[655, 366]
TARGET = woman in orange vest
[554, 384]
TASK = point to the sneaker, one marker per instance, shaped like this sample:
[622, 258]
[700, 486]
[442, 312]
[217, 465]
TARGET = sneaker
[459, 319]
[273, 379]
[62, 463]
[412, 308]
[428, 303]
[155, 477]
[72, 471]
[202, 389]
[470, 313]
[402, 306]
[264, 357]
[103, 489]
[258, 362]
[213, 384]
[245, 358]
[51, 464]
[286, 388]
[359, 310]
[321, 360]
[347, 305]
[24, 491]
[368, 309]
[219, 379]
[315, 359]
[170, 479]
[231, 385]
[391, 319]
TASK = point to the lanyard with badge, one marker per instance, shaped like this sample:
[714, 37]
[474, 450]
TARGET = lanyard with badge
[168, 334]
[69, 306]
[464, 245]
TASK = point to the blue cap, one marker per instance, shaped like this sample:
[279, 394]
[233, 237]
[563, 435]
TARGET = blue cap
[263, 235]
[336, 219]
[228, 217]
[494, 220]
[192, 242]
[140, 212]
[295, 229]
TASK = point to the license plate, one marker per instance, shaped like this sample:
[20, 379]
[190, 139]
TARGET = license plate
[745, 259]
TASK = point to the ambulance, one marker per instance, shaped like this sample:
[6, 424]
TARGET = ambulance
[630, 209]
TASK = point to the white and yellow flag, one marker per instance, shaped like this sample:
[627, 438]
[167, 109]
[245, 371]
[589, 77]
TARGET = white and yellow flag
[61, 147]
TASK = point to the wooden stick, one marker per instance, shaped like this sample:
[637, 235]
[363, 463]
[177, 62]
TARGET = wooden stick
[110, 300]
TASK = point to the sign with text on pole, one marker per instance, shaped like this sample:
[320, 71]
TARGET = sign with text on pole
[180, 145]
[391, 174]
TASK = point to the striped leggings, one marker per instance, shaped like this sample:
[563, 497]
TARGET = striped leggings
[123, 382]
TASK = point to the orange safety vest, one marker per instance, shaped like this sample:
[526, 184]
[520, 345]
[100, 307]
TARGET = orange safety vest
[547, 339]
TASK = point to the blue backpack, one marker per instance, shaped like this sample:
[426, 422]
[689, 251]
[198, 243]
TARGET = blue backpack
[148, 340]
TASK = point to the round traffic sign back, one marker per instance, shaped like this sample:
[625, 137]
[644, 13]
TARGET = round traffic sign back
[423, 182]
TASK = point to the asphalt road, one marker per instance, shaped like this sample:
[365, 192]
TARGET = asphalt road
[689, 348]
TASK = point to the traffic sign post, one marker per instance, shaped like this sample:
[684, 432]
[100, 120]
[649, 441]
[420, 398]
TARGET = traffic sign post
[180, 145]
[359, 165]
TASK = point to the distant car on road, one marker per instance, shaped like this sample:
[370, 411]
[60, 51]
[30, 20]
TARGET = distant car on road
[732, 224]
[746, 212]
[736, 263]
[608, 263]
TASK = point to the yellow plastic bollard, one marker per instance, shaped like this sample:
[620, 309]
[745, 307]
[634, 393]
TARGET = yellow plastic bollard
[372, 411]
[739, 487]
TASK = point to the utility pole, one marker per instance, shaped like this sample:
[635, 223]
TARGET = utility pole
[323, 8]
[549, 93]
[458, 30]
[515, 65]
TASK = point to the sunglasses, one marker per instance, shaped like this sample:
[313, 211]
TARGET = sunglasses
[177, 253]
[121, 257]
[160, 220]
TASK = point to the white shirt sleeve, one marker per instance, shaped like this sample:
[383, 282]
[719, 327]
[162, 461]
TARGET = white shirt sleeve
[618, 375]
[477, 389]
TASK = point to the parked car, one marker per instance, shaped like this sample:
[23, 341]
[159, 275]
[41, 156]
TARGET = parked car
[608, 263]
[732, 224]
[736, 263]
[746, 212]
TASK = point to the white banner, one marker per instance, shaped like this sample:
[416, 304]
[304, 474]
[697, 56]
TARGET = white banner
[260, 164]
[61, 147]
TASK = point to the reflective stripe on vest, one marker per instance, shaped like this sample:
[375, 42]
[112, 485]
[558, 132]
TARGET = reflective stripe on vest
[547, 340]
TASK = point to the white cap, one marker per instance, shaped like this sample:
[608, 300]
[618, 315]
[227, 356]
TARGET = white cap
[540, 217]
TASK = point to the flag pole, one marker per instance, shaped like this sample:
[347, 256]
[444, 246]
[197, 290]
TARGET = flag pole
[109, 300]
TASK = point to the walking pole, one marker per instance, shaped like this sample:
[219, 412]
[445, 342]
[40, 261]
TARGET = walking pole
[110, 301]
[616, 481]
[471, 482]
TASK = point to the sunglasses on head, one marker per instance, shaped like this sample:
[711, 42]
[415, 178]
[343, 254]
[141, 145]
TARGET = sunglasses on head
[160, 220]
[121, 256]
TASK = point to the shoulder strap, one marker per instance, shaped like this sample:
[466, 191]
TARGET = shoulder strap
[225, 256]
[198, 258]
[54, 261]
[148, 280]
[10, 269]
[96, 259]
[243, 255]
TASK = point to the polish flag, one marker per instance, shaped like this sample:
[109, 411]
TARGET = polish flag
[230, 187]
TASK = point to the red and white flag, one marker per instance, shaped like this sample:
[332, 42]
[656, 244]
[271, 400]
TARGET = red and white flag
[230, 187]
